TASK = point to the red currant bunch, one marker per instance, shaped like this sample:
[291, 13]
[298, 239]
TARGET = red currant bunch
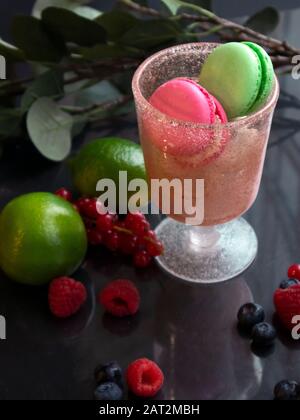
[129, 236]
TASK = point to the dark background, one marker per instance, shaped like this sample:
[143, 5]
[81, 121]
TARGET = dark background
[230, 8]
[190, 331]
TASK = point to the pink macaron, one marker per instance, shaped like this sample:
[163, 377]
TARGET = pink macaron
[185, 100]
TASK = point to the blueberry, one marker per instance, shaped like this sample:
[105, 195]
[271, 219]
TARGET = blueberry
[287, 391]
[110, 372]
[249, 315]
[108, 391]
[263, 334]
[286, 284]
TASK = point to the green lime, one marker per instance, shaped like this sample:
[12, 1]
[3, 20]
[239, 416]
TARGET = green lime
[42, 237]
[105, 158]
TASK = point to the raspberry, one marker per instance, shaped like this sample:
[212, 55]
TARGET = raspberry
[66, 296]
[287, 303]
[64, 193]
[120, 298]
[144, 378]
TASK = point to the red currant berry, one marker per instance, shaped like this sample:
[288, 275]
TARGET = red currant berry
[90, 210]
[119, 224]
[89, 223]
[154, 248]
[133, 218]
[144, 239]
[142, 229]
[137, 223]
[151, 235]
[94, 237]
[115, 217]
[294, 272]
[128, 244]
[112, 240]
[142, 259]
[105, 222]
[82, 204]
[141, 243]
[64, 193]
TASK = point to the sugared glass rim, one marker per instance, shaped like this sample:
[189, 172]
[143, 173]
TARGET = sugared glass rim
[246, 120]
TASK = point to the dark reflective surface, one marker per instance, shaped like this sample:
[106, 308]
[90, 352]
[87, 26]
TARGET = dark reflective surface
[190, 331]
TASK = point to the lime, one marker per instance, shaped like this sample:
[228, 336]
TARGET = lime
[42, 237]
[105, 158]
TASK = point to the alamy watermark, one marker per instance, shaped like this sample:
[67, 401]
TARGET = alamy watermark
[2, 77]
[2, 328]
[182, 197]
[2, 68]
[296, 329]
[296, 68]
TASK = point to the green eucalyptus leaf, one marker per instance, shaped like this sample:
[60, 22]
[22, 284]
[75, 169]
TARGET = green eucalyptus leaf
[50, 83]
[87, 12]
[197, 6]
[99, 93]
[151, 33]
[31, 37]
[173, 5]
[116, 23]
[264, 21]
[70, 88]
[104, 51]
[10, 52]
[10, 122]
[40, 5]
[72, 27]
[50, 129]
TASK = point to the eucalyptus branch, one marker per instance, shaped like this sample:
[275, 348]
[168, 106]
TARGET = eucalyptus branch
[100, 69]
[104, 106]
[141, 9]
[226, 29]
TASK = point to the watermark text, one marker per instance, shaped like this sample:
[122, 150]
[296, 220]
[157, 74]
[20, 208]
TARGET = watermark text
[183, 197]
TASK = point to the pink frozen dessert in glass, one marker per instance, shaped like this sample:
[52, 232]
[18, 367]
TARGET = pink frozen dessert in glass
[185, 134]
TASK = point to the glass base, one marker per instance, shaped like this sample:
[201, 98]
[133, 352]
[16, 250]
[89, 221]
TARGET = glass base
[206, 255]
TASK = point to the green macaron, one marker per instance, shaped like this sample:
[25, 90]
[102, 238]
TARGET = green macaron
[268, 75]
[239, 75]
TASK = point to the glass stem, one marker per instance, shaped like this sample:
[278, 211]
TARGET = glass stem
[204, 237]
